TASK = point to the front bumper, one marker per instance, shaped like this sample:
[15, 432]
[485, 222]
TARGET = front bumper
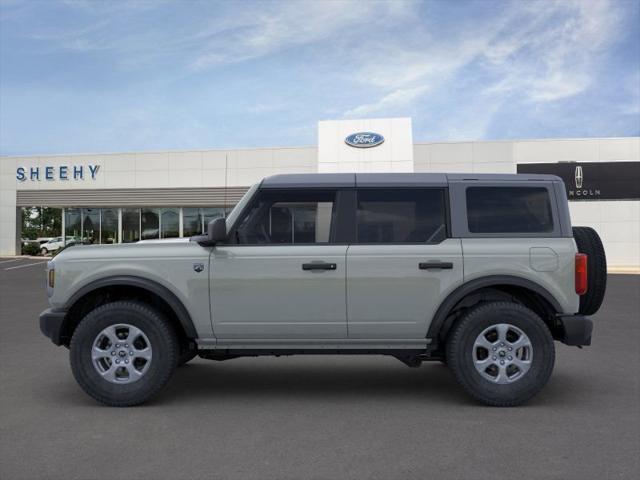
[575, 330]
[51, 323]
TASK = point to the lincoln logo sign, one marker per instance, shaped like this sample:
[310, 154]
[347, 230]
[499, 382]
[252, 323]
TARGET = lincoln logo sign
[593, 180]
[364, 139]
[61, 172]
[579, 177]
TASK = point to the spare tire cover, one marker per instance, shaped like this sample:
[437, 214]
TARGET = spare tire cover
[588, 242]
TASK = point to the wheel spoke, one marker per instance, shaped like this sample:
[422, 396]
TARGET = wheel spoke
[98, 353]
[502, 330]
[502, 376]
[142, 353]
[110, 374]
[520, 342]
[110, 333]
[482, 341]
[133, 333]
[523, 365]
[133, 373]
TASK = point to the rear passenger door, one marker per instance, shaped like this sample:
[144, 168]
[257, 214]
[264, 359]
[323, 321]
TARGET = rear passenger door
[402, 262]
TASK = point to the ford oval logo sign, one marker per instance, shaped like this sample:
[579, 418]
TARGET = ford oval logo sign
[364, 139]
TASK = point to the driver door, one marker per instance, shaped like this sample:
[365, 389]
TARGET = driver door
[282, 274]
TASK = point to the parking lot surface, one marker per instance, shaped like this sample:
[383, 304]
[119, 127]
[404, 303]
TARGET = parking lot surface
[317, 417]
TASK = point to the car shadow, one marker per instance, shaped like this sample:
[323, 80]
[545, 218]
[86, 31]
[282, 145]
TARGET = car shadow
[312, 380]
[431, 384]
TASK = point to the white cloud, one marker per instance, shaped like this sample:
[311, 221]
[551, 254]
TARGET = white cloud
[398, 98]
[279, 26]
[538, 51]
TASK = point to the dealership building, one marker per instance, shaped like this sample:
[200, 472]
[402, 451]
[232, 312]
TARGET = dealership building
[126, 197]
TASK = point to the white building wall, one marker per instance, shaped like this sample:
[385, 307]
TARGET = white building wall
[618, 222]
[7, 207]
[395, 154]
[464, 157]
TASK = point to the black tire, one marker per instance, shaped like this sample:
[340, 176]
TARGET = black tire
[164, 350]
[44, 252]
[460, 351]
[588, 242]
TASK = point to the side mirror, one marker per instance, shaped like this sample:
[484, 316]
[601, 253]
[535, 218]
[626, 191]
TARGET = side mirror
[217, 230]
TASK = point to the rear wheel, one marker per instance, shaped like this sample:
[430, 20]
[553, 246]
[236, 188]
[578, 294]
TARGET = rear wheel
[123, 353]
[44, 252]
[588, 242]
[502, 353]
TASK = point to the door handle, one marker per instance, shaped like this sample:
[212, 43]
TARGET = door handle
[319, 266]
[435, 265]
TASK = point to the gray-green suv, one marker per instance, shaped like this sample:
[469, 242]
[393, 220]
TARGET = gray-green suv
[482, 272]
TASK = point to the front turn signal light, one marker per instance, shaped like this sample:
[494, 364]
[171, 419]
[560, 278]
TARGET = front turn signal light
[581, 273]
[52, 278]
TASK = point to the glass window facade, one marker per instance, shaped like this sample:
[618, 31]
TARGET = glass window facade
[130, 225]
[72, 223]
[191, 222]
[90, 225]
[109, 225]
[150, 223]
[126, 225]
[170, 223]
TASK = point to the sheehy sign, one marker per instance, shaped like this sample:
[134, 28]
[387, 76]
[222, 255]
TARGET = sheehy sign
[593, 180]
[60, 172]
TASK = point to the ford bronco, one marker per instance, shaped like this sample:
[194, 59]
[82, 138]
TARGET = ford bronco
[481, 272]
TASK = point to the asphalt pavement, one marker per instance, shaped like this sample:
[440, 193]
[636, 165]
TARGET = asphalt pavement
[319, 417]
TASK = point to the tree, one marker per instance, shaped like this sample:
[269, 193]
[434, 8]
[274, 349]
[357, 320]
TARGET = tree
[41, 222]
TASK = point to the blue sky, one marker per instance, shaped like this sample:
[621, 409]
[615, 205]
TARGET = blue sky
[91, 76]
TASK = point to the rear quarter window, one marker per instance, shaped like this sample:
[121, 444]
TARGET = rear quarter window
[509, 210]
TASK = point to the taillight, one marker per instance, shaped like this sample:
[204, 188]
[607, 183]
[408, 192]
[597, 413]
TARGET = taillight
[581, 273]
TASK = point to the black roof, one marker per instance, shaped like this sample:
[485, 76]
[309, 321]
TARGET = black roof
[306, 180]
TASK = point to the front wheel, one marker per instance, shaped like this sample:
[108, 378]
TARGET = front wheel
[44, 252]
[123, 353]
[502, 353]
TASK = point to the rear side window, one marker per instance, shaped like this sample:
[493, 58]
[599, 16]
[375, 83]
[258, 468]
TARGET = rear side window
[401, 216]
[509, 210]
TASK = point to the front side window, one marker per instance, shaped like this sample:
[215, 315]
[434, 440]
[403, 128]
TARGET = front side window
[509, 210]
[401, 216]
[288, 217]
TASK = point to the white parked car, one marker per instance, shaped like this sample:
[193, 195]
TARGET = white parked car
[54, 244]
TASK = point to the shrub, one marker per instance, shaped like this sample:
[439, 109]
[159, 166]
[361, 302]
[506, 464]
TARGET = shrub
[31, 249]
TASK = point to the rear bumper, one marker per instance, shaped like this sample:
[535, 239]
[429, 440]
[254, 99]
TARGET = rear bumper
[575, 330]
[51, 321]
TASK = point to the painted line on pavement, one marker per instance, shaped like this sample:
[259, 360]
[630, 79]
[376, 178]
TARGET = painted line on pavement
[23, 266]
[9, 261]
